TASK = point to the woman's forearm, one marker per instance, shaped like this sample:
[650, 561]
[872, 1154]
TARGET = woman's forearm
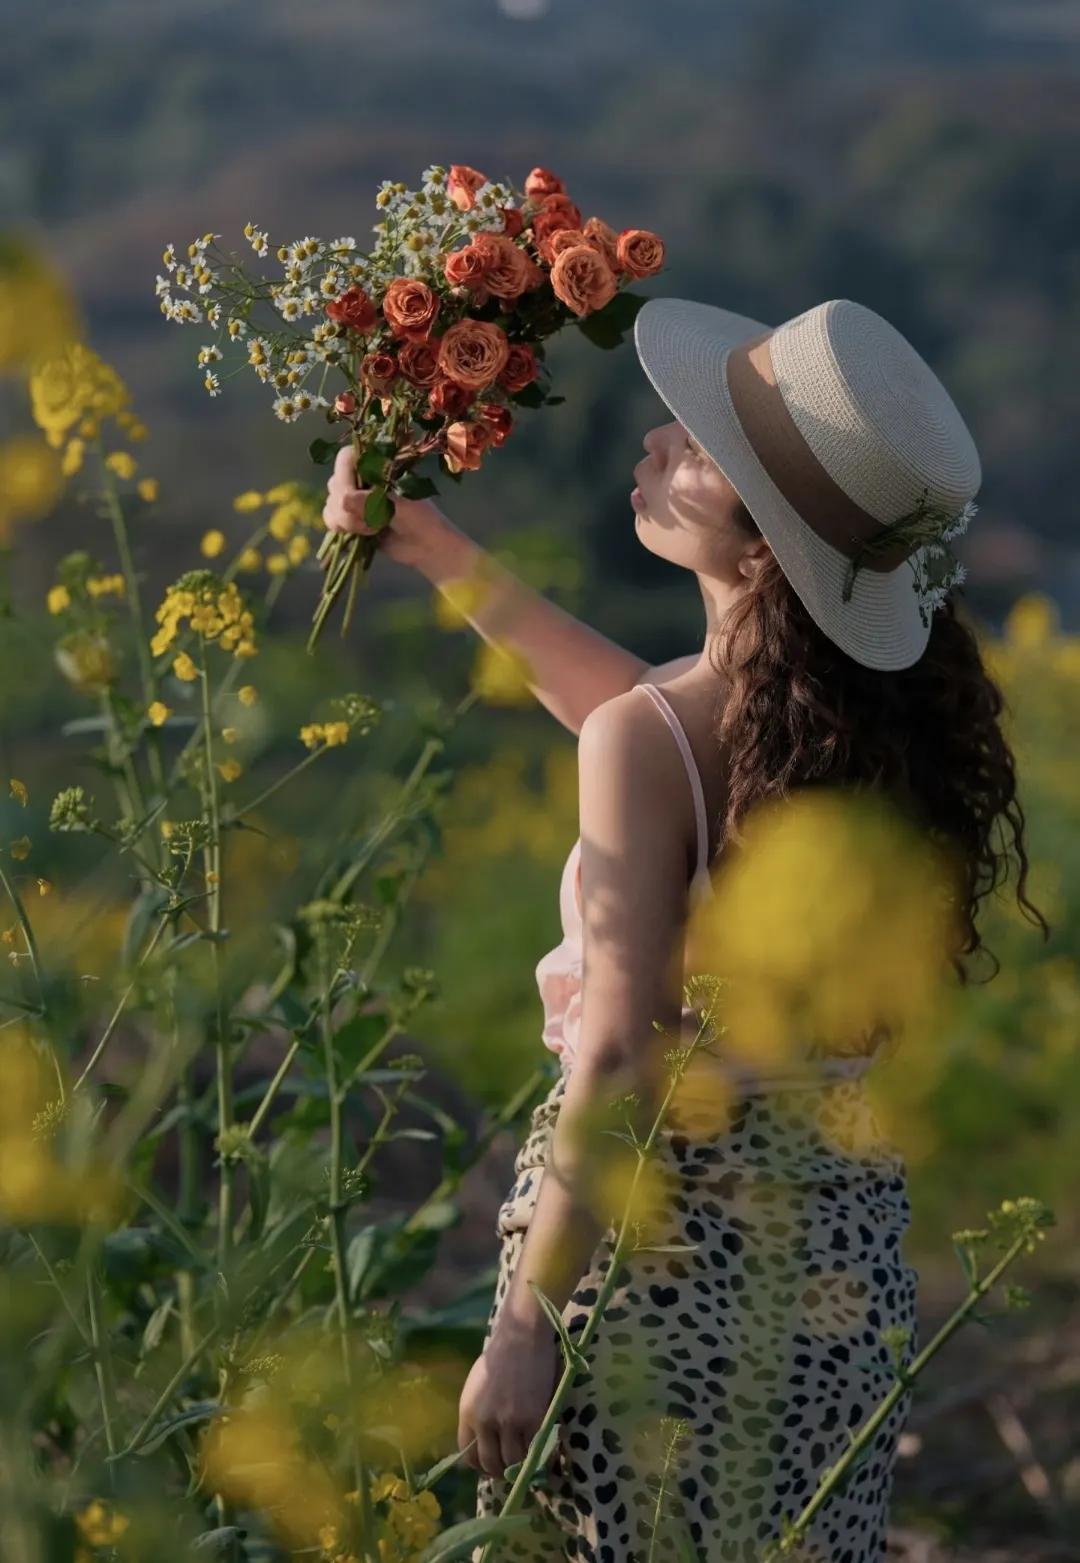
[580, 1182]
[574, 668]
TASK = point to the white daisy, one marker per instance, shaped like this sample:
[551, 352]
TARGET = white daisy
[286, 409]
[209, 355]
[212, 383]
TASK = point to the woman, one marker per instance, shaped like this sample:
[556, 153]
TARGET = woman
[728, 1372]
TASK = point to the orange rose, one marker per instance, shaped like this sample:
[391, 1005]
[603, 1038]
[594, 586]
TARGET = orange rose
[410, 307]
[513, 221]
[543, 182]
[419, 362]
[583, 280]
[498, 419]
[345, 404]
[598, 231]
[447, 399]
[507, 268]
[465, 446]
[463, 184]
[562, 203]
[641, 253]
[566, 239]
[378, 371]
[353, 309]
[474, 353]
[520, 368]
[465, 268]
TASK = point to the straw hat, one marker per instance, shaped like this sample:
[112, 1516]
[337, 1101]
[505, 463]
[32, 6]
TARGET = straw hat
[832, 429]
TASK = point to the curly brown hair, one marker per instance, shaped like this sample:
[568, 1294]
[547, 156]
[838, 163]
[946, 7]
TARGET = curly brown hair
[800, 713]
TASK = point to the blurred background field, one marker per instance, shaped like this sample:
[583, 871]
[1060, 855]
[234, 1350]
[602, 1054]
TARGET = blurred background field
[918, 157]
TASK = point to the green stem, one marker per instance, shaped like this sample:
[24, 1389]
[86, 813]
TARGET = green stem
[119, 1010]
[212, 868]
[102, 1360]
[28, 935]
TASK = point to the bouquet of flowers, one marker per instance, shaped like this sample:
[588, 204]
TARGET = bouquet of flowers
[430, 342]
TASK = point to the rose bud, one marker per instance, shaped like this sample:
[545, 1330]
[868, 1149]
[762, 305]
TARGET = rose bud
[345, 404]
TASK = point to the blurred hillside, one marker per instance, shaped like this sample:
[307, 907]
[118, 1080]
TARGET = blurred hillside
[916, 155]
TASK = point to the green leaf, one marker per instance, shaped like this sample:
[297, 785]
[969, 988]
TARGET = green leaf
[549, 1446]
[371, 467]
[148, 905]
[571, 1356]
[204, 1411]
[606, 327]
[378, 508]
[323, 452]
[967, 1263]
[411, 486]
[440, 1468]
[530, 395]
[459, 1540]
[554, 401]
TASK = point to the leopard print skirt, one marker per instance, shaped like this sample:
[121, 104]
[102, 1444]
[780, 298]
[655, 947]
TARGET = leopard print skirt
[726, 1375]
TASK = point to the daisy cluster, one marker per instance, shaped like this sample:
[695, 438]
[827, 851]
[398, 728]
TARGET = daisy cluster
[207, 288]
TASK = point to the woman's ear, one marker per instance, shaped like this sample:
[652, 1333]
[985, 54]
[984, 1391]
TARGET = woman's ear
[753, 557]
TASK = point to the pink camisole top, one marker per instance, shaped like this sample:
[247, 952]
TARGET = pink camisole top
[559, 973]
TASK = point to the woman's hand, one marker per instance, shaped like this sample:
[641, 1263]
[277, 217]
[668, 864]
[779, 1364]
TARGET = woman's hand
[419, 534]
[506, 1394]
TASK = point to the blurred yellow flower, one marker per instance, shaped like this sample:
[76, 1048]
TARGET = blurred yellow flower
[277, 564]
[99, 1525]
[147, 488]
[106, 585]
[282, 492]
[247, 694]
[229, 734]
[72, 459]
[158, 711]
[86, 660]
[248, 500]
[18, 791]
[835, 916]
[254, 1456]
[457, 598]
[122, 463]
[137, 430]
[37, 312]
[250, 559]
[212, 544]
[44, 886]
[298, 549]
[230, 770]
[1032, 621]
[329, 733]
[185, 668]
[20, 849]
[30, 480]
[501, 675]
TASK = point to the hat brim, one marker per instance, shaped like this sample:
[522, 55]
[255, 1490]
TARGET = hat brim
[683, 347]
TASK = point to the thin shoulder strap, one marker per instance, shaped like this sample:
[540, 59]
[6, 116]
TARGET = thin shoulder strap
[700, 813]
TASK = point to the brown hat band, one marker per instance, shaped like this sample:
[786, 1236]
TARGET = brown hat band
[783, 452]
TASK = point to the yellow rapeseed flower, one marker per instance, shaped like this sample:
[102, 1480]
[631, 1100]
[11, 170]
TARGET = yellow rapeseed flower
[457, 598]
[18, 790]
[37, 312]
[212, 544]
[121, 462]
[147, 488]
[247, 694]
[106, 585]
[277, 564]
[250, 560]
[185, 668]
[501, 675]
[58, 598]
[158, 711]
[99, 1525]
[250, 499]
[43, 887]
[230, 770]
[281, 492]
[74, 388]
[30, 480]
[72, 459]
[298, 549]
[228, 735]
[1032, 621]
[20, 849]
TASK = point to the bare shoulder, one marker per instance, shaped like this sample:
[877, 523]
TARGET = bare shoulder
[618, 745]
